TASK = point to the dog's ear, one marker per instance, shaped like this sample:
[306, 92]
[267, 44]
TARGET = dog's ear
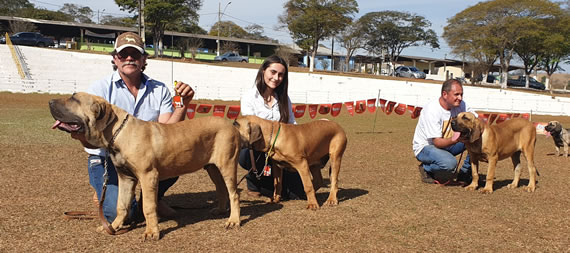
[558, 127]
[104, 115]
[255, 133]
[476, 130]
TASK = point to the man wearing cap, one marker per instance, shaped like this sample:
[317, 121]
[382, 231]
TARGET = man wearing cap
[432, 148]
[141, 96]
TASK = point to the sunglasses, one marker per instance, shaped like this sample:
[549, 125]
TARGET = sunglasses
[126, 53]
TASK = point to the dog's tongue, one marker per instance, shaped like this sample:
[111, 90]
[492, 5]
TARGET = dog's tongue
[56, 124]
[455, 136]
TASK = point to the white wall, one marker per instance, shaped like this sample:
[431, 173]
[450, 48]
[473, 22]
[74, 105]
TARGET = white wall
[60, 71]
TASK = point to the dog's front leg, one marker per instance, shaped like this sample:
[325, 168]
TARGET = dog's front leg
[305, 173]
[565, 150]
[474, 174]
[126, 195]
[149, 186]
[277, 183]
[490, 175]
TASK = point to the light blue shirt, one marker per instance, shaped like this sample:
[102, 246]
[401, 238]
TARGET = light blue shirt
[153, 99]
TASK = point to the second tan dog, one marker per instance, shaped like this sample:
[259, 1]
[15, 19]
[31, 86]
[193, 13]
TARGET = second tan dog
[150, 151]
[497, 142]
[302, 147]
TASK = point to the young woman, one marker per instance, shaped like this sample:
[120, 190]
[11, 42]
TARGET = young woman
[269, 100]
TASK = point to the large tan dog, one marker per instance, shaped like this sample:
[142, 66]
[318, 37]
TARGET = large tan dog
[494, 143]
[560, 135]
[303, 147]
[150, 151]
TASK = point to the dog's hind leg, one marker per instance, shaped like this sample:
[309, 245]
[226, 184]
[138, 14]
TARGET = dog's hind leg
[336, 160]
[516, 159]
[221, 189]
[528, 152]
[228, 170]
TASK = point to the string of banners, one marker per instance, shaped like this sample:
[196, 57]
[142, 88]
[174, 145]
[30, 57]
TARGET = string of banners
[299, 110]
[357, 107]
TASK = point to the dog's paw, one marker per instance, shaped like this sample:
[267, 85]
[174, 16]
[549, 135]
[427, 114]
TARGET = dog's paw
[471, 187]
[150, 235]
[529, 188]
[313, 206]
[512, 186]
[487, 190]
[231, 224]
[331, 202]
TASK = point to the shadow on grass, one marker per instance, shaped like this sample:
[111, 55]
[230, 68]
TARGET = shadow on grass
[342, 195]
[195, 207]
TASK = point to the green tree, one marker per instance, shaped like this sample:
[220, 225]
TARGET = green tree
[310, 21]
[556, 46]
[118, 21]
[13, 7]
[79, 13]
[255, 32]
[351, 38]
[163, 14]
[498, 25]
[228, 29]
[394, 31]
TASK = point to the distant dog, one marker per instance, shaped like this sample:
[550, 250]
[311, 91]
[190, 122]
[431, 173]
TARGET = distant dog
[560, 135]
[497, 142]
[303, 147]
[149, 151]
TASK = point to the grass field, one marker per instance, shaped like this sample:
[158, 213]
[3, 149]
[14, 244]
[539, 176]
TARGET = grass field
[383, 206]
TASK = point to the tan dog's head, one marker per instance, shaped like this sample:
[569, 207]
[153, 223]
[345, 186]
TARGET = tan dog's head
[468, 126]
[83, 113]
[553, 127]
[250, 132]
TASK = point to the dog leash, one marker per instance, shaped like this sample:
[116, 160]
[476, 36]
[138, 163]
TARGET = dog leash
[266, 169]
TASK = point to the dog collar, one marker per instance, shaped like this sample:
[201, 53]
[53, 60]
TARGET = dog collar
[112, 141]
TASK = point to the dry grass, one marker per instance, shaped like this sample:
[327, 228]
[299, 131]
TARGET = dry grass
[383, 206]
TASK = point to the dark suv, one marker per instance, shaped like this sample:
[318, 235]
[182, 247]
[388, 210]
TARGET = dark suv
[520, 81]
[29, 39]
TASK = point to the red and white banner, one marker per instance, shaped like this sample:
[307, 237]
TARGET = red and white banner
[191, 111]
[204, 108]
[336, 107]
[371, 104]
[325, 109]
[389, 107]
[360, 106]
[233, 111]
[219, 110]
[349, 107]
[400, 109]
[382, 104]
[299, 110]
[313, 111]
[416, 112]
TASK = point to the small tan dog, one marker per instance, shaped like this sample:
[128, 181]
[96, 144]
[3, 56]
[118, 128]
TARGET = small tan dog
[560, 135]
[494, 143]
[302, 147]
[150, 151]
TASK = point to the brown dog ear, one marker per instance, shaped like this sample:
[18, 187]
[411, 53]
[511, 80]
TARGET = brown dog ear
[558, 128]
[104, 115]
[476, 131]
[255, 133]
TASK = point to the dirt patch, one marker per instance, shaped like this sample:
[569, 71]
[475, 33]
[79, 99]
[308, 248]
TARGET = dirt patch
[383, 206]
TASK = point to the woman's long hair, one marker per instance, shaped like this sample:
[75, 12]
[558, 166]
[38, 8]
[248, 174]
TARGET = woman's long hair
[281, 90]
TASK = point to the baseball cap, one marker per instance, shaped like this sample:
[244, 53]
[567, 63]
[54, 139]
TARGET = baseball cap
[129, 39]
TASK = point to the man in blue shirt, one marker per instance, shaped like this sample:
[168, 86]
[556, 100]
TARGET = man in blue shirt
[141, 96]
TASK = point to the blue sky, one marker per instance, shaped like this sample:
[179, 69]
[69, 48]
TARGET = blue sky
[265, 13]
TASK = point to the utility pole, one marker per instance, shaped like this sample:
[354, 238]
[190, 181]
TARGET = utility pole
[99, 20]
[332, 54]
[141, 20]
[220, 23]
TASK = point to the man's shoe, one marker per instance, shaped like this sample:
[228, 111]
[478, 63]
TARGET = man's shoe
[465, 178]
[424, 176]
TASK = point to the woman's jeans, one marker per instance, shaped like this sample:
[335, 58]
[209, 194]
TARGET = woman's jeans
[96, 178]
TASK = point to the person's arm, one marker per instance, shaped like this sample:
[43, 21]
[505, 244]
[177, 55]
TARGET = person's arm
[443, 142]
[187, 93]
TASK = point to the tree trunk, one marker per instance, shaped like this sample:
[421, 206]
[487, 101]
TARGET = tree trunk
[312, 61]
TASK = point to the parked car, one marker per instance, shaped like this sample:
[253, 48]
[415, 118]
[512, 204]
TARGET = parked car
[29, 39]
[231, 56]
[410, 71]
[490, 78]
[521, 82]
